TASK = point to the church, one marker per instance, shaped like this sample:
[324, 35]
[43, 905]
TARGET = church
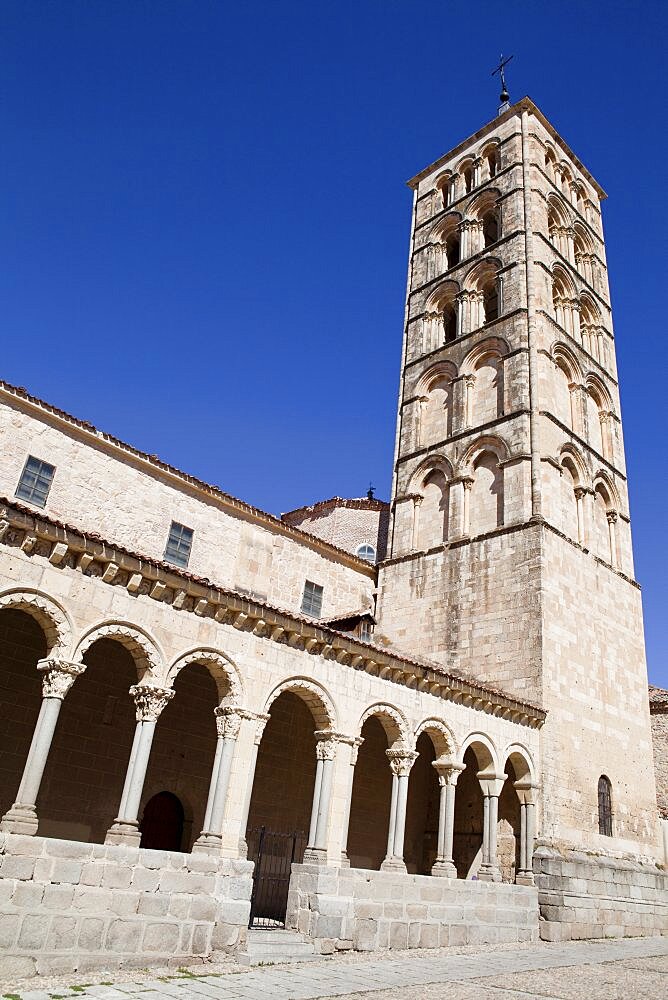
[369, 725]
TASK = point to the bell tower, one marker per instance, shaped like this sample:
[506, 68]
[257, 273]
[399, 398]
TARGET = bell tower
[510, 556]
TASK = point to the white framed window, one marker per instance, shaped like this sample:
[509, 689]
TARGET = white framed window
[35, 481]
[367, 552]
[312, 599]
[179, 544]
[366, 630]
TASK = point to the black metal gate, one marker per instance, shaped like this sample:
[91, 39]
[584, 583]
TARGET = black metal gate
[273, 853]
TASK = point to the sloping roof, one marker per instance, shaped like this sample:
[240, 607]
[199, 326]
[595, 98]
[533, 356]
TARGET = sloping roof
[322, 506]
[658, 699]
[232, 502]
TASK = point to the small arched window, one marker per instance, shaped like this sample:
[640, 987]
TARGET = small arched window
[492, 162]
[490, 300]
[490, 227]
[452, 249]
[367, 552]
[468, 179]
[604, 806]
[449, 323]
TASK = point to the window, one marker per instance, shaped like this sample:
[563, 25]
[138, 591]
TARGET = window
[366, 630]
[312, 599]
[367, 552]
[35, 481]
[179, 544]
[604, 806]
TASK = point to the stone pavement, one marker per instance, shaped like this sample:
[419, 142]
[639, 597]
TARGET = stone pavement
[592, 970]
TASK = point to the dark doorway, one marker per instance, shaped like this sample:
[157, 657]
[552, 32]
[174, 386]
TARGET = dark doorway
[162, 823]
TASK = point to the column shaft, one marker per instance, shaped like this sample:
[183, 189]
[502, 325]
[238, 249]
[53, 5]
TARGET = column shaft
[400, 821]
[316, 803]
[213, 784]
[39, 751]
[393, 817]
[323, 805]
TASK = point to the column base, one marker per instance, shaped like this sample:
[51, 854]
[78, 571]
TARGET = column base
[315, 856]
[489, 875]
[123, 832]
[20, 819]
[393, 865]
[524, 878]
[444, 869]
[207, 843]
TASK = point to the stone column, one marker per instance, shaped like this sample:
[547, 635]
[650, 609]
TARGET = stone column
[326, 747]
[525, 792]
[491, 785]
[262, 721]
[149, 703]
[448, 773]
[228, 724]
[467, 483]
[612, 534]
[415, 534]
[580, 493]
[401, 761]
[58, 676]
[469, 382]
[354, 749]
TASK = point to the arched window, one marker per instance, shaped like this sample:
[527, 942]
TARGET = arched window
[491, 158]
[467, 174]
[367, 552]
[433, 516]
[452, 249]
[591, 328]
[486, 503]
[490, 299]
[436, 409]
[440, 320]
[490, 227]
[550, 164]
[604, 806]
[563, 295]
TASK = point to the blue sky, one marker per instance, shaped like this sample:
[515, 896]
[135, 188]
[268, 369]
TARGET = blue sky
[204, 220]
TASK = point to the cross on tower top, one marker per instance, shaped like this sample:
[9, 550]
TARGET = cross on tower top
[505, 96]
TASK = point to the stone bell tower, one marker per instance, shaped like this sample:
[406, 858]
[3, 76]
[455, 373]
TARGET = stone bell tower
[510, 555]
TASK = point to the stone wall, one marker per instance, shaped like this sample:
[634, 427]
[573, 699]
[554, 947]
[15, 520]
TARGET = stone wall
[72, 907]
[366, 910]
[658, 707]
[592, 896]
[105, 488]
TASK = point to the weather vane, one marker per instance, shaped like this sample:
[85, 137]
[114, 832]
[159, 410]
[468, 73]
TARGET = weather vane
[505, 96]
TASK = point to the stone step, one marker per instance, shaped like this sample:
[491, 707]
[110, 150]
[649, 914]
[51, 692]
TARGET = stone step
[265, 947]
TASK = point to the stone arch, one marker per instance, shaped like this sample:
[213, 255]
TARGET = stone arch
[570, 455]
[485, 209]
[550, 161]
[447, 235]
[144, 650]
[522, 761]
[435, 414]
[599, 406]
[223, 670]
[486, 442]
[51, 616]
[430, 464]
[491, 158]
[565, 359]
[483, 284]
[485, 392]
[466, 172]
[558, 214]
[441, 736]
[313, 694]
[443, 186]
[437, 373]
[486, 754]
[603, 481]
[597, 389]
[564, 301]
[393, 721]
[440, 320]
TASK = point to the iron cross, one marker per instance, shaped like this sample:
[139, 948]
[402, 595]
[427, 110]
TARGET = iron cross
[499, 69]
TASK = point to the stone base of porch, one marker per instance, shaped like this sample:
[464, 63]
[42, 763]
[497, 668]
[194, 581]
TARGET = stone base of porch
[594, 896]
[67, 906]
[343, 908]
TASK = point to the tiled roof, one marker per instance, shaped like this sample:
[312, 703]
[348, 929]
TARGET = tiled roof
[354, 503]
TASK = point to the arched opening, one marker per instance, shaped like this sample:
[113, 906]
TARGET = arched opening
[22, 644]
[162, 823]
[184, 747]
[567, 516]
[491, 158]
[508, 827]
[421, 837]
[563, 400]
[488, 390]
[370, 804]
[594, 428]
[433, 524]
[467, 174]
[282, 794]
[550, 164]
[468, 827]
[491, 229]
[590, 326]
[85, 771]
[562, 300]
[452, 249]
[605, 806]
[490, 299]
[486, 511]
[600, 528]
[437, 412]
[449, 323]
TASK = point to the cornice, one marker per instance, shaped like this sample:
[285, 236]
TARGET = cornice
[67, 548]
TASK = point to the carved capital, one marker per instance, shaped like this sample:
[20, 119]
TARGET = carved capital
[611, 516]
[150, 701]
[580, 492]
[228, 720]
[401, 760]
[327, 742]
[448, 771]
[262, 720]
[58, 676]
